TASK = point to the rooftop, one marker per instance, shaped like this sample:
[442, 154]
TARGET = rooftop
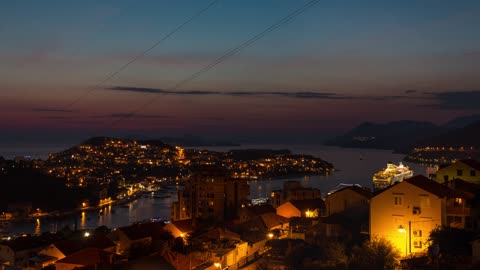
[88, 256]
[309, 204]
[356, 188]
[471, 163]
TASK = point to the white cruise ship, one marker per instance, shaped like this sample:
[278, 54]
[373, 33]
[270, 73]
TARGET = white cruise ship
[390, 176]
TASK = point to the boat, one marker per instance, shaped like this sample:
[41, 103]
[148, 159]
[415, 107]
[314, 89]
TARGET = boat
[391, 175]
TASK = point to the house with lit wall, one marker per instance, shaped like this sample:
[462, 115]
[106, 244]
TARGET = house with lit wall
[407, 212]
[465, 169]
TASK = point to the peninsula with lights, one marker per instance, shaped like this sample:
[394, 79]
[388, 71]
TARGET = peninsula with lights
[105, 170]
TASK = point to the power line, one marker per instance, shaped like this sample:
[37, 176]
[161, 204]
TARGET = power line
[224, 57]
[116, 72]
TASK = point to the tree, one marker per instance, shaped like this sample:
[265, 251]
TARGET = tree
[179, 245]
[378, 253]
[452, 241]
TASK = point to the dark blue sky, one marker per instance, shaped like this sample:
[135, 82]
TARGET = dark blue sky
[334, 66]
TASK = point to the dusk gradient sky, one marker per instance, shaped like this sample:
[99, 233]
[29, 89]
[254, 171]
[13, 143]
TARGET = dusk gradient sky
[334, 66]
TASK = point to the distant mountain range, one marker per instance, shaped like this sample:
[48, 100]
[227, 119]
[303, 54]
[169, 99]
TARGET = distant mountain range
[402, 136]
[463, 121]
[468, 136]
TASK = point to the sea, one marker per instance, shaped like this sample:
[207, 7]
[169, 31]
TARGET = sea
[352, 166]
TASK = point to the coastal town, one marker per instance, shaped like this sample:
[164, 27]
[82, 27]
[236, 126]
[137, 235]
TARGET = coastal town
[216, 225]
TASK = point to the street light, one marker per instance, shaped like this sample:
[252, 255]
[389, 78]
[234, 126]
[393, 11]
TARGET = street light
[218, 265]
[402, 230]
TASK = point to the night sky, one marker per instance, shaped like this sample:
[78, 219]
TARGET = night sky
[337, 64]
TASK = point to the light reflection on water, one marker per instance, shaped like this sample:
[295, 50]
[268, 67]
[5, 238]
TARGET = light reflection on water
[354, 165]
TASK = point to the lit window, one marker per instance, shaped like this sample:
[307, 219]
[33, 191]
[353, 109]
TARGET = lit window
[458, 202]
[311, 214]
[424, 201]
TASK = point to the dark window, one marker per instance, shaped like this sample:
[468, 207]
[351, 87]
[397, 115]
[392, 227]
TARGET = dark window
[458, 219]
[459, 172]
[473, 173]
[445, 177]
[468, 222]
[449, 220]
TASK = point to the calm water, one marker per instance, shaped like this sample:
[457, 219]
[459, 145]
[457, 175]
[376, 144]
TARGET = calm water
[35, 151]
[355, 166]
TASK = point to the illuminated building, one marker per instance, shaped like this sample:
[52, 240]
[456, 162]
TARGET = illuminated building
[210, 193]
[465, 169]
[293, 190]
[407, 212]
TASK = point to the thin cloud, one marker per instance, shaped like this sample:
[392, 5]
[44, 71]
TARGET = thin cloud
[410, 91]
[396, 97]
[136, 116]
[57, 117]
[302, 95]
[51, 110]
[160, 91]
[455, 100]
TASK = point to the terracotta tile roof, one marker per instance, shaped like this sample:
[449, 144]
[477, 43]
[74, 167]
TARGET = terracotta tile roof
[432, 186]
[88, 256]
[309, 204]
[220, 233]
[360, 190]
[271, 220]
[471, 163]
[185, 225]
[68, 247]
